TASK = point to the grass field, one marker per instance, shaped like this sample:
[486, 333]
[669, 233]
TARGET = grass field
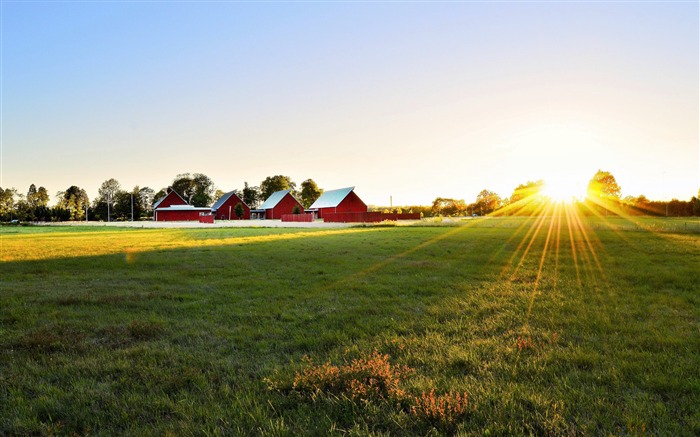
[552, 326]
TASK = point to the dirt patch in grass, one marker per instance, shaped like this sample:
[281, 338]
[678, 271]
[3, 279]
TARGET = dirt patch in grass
[52, 338]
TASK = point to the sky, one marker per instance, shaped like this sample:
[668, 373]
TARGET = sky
[405, 101]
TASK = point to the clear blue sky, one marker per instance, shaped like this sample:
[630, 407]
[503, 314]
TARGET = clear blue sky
[412, 100]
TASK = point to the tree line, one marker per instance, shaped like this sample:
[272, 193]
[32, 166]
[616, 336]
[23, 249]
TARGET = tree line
[115, 203]
[602, 198]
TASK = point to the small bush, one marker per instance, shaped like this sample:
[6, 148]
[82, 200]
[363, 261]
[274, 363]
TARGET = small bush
[363, 378]
[444, 409]
[374, 380]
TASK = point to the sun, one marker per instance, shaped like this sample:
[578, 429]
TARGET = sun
[563, 190]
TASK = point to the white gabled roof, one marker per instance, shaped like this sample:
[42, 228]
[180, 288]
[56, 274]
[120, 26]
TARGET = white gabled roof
[223, 199]
[274, 199]
[183, 208]
[331, 199]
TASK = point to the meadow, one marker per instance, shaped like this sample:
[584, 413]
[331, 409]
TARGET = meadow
[498, 326]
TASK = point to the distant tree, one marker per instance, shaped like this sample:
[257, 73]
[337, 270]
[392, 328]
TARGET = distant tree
[219, 193]
[525, 199]
[448, 207]
[60, 214]
[108, 190]
[74, 200]
[159, 195]
[103, 204]
[31, 195]
[526, 190]
[251, 195]
[23, 212]
[122, 205]
[695, 202]
[7, 203]
[309, 192]
[296, 210]
[42, 213]
[239, 210]
[40, 197]
[487, 202]
[603, 186]
[602, 192]
[197, 189]
[146, 197]
[272, 184]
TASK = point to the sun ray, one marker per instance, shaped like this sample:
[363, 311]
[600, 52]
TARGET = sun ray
[538, 277]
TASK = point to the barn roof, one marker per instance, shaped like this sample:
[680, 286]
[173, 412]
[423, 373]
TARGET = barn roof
[184, 208]
[169, 190]
[274, 199]
[223, 199]
[332, 198]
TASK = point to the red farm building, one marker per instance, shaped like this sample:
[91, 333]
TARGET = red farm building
[225, 207]
[279, 202]
[337, 201]
[172, 207]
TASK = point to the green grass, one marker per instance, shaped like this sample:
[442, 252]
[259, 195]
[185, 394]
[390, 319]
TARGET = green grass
[108, 331]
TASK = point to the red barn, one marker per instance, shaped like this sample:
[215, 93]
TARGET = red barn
[341, 200]
[279, 202]
[225, 207]
[172, 207]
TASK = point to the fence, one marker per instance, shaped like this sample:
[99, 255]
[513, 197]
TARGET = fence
[367, 217]
[206, 218]
[298, 218]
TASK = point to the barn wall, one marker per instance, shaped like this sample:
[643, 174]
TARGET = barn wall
[223, 212]
[176, 216]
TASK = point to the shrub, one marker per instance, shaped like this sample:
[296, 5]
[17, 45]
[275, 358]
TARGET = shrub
[363, 378]
[444, 409]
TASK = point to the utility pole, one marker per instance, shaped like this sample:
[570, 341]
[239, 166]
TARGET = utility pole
[108, 198]
[132, 207]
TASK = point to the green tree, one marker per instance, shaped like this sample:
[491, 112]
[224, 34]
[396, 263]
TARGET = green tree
[526, 190]
[296, 210]
[603, 191]
[75, 201]
[31, 195]
[487, 202]
[251, 195]
[603, 186]
[37, 197]
[146, 198]
[159, 195]
[309, 192]
[197, 189]
[42, 213]
[448, 207]
[272, 184]
[108, 190]
[7, 203]
[239, 210]
[103, 205]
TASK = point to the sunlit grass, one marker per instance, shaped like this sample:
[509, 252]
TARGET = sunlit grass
[49, 243]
